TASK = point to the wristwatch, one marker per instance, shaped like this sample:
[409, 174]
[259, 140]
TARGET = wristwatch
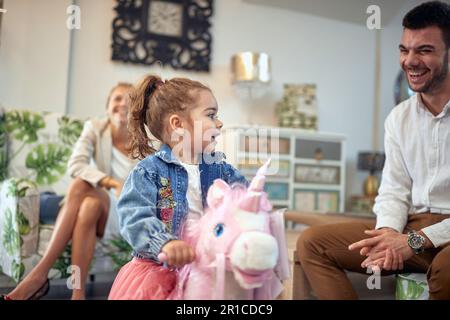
[416, 242]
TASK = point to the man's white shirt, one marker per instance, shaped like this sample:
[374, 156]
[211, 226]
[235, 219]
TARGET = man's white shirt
[416, 175]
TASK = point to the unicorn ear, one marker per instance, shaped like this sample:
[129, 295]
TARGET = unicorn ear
[217, 192]
[255, 202]
[251, 202]
[265, 203]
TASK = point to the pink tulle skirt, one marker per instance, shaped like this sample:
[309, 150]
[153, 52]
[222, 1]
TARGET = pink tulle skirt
[143, 279]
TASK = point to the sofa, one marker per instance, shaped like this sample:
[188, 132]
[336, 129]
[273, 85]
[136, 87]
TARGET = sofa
[34, 150]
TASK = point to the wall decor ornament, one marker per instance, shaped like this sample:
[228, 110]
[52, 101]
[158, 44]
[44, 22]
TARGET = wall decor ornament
[298, 107]
[170, 32]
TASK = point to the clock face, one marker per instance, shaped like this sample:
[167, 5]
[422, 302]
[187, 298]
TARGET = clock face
[165, 18]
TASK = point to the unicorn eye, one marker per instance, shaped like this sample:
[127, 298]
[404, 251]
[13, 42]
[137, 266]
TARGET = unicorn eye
[218, 229]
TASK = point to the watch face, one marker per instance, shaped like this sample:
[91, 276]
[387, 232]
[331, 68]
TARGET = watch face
[416, 241]
[165, 18]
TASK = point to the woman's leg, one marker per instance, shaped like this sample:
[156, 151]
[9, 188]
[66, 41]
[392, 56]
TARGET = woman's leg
[78, 190]
[93, 212]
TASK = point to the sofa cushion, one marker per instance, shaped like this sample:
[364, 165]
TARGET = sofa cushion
[39, 146]
[19, 224]
[49, 205]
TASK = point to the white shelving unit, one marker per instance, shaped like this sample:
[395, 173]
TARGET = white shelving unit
[307, 171]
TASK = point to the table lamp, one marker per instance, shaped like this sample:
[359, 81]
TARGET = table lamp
[372, 162]
[250, 70]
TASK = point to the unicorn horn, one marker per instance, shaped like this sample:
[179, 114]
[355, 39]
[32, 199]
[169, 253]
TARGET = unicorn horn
[252, 201]
[259, 180]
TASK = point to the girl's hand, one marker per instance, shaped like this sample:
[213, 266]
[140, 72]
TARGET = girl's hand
[178, 253]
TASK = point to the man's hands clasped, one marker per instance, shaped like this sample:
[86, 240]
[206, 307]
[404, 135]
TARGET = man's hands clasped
[386, 248]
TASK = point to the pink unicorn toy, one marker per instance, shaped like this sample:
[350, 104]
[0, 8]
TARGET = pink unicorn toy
[239, 244]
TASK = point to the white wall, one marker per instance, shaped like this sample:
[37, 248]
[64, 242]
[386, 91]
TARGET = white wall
[34, 52]
[337, 56]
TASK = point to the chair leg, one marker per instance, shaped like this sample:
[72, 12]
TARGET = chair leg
[301, 289]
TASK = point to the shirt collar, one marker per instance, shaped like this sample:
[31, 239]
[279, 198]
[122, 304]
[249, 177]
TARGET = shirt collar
[420, 105]
[447, 107]
[166, 155]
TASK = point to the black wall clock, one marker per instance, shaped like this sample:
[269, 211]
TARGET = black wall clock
[174, 32]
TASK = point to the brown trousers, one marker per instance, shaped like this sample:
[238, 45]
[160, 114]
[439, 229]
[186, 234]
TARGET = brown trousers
[324, 255]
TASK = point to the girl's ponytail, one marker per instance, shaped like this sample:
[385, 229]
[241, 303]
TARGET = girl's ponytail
[140, 144]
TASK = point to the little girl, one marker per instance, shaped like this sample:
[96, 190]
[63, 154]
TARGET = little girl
[169, 186]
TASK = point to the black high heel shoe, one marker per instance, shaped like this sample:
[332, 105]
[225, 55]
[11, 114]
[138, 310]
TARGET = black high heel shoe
[42, 291]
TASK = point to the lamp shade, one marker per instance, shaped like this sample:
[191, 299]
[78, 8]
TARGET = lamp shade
[250, 68]
[371, 161]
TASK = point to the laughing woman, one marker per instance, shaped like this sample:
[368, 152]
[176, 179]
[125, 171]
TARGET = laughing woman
[99, 165]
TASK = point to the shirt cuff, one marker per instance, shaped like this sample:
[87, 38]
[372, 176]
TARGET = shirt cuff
[391, 222]
[96, 181]
[158, 240]
[438, 233]
[92, 177]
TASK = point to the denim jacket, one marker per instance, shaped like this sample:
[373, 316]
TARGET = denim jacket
[153, 204]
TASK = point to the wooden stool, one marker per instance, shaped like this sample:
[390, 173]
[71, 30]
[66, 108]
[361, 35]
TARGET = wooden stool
[301, 289]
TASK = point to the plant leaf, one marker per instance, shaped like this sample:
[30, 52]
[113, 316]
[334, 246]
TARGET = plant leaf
[24, 224]
[18, 269]
[48, 161]
[69, 130]
[24, 125]
[11, 236]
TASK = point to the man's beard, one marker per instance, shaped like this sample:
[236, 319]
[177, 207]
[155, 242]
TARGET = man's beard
[436, 82]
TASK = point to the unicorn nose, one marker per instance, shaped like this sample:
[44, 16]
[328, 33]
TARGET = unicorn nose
[254, 250]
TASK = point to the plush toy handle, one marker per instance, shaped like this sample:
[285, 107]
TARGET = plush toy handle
[162, 257]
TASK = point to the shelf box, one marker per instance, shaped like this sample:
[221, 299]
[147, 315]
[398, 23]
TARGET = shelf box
[277, 190]
[317, 174]
[264, 144]
[316, 200]
[277, 168]
[312, 149]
